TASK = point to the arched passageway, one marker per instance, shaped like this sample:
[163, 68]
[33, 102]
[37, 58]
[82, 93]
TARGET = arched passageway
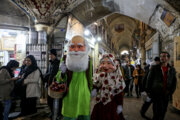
[140, 27]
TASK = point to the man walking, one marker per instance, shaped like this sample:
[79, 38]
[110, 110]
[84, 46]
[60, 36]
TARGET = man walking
[161, 83]
[50, 74]
[128, 72]
[148, 100]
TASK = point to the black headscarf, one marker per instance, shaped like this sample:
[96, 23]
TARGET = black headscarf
[11, 64]
[33, 67]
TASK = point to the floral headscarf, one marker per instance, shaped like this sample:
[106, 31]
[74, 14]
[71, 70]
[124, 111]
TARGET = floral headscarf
[109, 84]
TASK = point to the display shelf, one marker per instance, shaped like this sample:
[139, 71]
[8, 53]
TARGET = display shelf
[40, 54]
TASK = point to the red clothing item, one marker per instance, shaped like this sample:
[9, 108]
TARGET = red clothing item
[165, 71]
[108, 111]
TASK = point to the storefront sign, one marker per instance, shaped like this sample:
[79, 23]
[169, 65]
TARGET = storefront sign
[167, 18]
[7, 43]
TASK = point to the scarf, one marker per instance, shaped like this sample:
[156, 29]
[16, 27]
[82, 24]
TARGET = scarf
[109, 84]
[33, 67]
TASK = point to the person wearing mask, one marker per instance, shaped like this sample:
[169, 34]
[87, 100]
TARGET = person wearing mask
[138, 75]
[161, 83]
[6, 86]
[128, 72]
[77, 66]
[148, 100]
[31, 79]
[50, 74]
[108, 87]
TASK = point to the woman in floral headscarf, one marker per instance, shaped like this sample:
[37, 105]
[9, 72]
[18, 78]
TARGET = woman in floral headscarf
[108, 87]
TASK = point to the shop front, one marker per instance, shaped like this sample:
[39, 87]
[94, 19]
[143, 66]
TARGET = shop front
[12, 45]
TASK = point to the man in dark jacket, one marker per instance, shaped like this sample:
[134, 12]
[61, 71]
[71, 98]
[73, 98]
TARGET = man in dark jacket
[161, 83]
[128, 72]
[148, 100]
[51, 73]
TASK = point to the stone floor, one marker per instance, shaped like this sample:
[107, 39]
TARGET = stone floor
[131, 110]
[132, 107]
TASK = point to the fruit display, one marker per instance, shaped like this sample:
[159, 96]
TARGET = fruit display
[57, 87]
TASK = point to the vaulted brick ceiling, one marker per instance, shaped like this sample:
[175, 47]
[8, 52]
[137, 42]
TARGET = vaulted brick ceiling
[121, 40]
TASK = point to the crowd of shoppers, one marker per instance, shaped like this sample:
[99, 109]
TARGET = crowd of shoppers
[111, 82]
[156, 83]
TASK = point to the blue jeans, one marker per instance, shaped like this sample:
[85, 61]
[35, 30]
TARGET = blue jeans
[7, 106]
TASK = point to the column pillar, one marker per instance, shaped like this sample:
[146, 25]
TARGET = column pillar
[143, 55]
[33, 37]
[155, 45]
[42, 37]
